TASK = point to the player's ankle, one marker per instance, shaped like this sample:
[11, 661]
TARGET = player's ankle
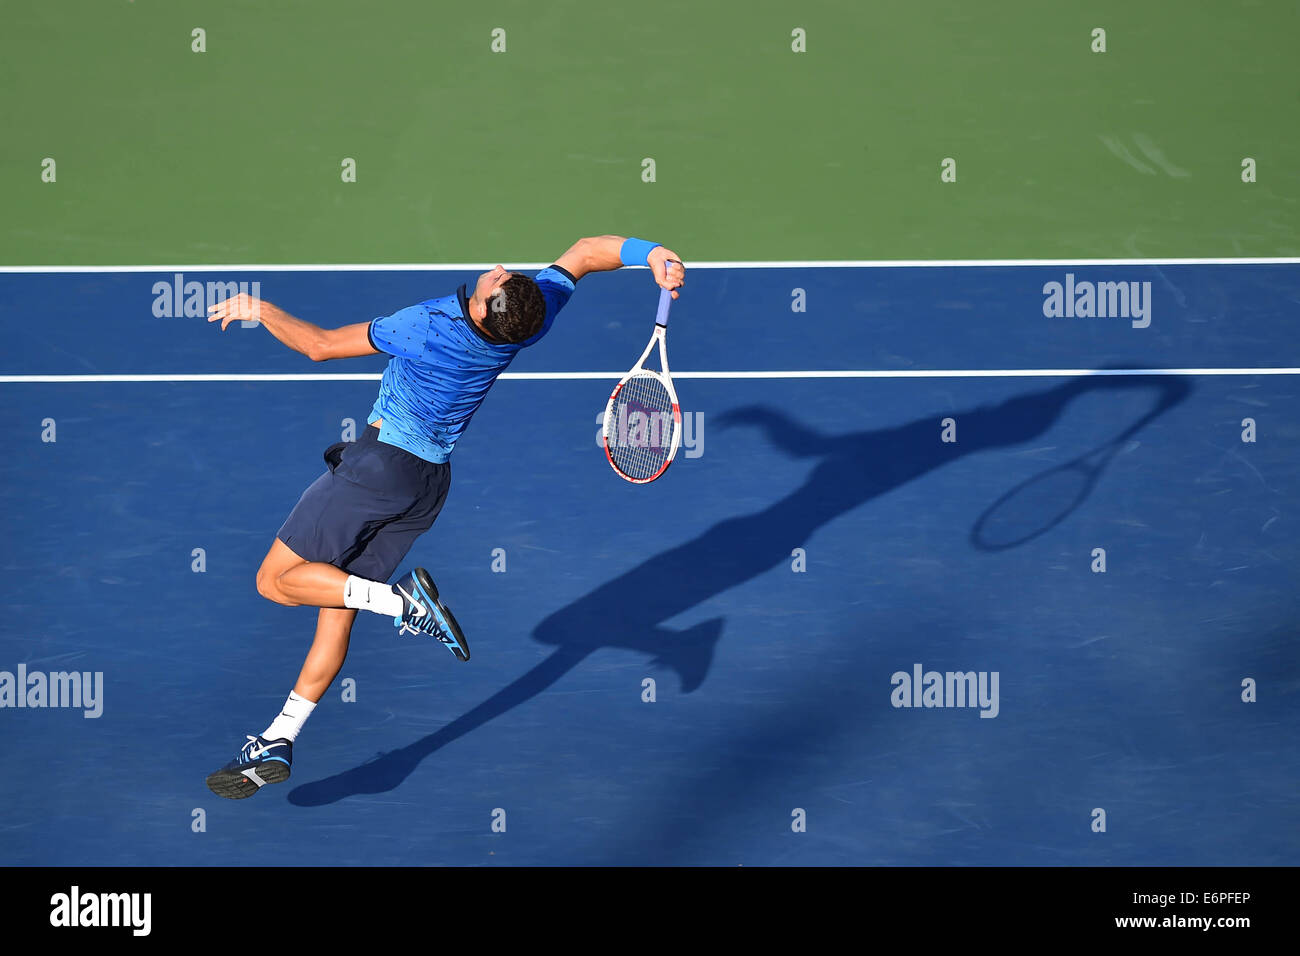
[292, 716]
[375, 596]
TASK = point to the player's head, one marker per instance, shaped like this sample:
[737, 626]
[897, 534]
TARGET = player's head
[508, 306]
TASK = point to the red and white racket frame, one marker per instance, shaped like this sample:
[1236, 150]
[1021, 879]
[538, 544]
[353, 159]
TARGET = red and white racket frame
[658, 337]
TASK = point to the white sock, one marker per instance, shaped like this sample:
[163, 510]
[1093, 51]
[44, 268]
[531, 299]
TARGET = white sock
[372, 596]
[293, 715]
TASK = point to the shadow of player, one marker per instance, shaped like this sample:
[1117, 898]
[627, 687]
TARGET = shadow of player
[628, 612]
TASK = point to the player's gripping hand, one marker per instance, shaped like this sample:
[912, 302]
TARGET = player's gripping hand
[240, 308]
[667, 268]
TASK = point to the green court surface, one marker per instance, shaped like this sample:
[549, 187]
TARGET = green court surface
[233, 155]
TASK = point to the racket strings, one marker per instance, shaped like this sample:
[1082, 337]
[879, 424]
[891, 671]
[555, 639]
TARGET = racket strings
[640, 432]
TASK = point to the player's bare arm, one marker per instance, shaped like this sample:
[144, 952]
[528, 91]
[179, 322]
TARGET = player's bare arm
[604, 254]
[311, 340]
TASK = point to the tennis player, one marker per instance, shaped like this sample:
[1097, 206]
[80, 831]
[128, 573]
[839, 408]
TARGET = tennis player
[355, 524]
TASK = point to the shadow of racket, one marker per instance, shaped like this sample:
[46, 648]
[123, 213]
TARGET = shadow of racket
[1037, 505]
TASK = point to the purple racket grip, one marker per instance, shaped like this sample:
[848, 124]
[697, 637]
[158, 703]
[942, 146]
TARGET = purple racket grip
[665, 303]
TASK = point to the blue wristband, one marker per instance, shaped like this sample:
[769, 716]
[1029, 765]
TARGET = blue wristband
[636, 252]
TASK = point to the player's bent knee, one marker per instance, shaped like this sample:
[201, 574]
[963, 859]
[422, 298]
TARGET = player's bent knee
[268, 588]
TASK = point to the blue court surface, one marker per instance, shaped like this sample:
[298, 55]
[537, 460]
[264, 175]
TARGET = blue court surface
[774, 667]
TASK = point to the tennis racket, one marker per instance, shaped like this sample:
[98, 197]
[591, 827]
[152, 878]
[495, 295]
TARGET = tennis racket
[643, 422]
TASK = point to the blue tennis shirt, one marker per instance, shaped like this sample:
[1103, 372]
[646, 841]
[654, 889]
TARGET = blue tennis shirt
[442, 366]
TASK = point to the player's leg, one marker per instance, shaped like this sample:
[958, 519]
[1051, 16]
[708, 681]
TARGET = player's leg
[367, 486]
[331, 523]
[286, 577]
[344, 539]
[268, 756]
[324, 660]
[290, 579]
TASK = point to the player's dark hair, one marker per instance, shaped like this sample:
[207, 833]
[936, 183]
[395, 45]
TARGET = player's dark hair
[516, 311]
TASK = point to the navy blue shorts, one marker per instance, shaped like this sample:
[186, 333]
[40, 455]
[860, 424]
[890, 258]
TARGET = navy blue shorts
[366, 511]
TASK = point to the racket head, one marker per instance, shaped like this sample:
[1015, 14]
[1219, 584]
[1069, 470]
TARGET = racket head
[643, 426]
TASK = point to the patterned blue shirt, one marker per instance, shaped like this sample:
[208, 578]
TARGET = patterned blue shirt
[443, 366]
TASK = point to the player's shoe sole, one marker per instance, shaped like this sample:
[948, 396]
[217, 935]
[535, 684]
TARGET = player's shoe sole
[235, 785]
[238, 780]
[458, 644]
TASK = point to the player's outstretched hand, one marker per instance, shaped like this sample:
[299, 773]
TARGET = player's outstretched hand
[239, 308]
[667, 268]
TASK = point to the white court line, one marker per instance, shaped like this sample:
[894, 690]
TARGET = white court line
[577, 376]
[773, 264]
